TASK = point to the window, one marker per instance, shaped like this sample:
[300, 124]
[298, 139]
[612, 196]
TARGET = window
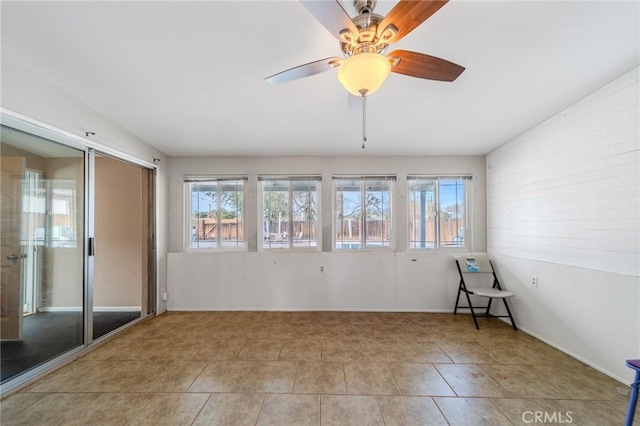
[363, 212]
[437, 212]
[215, 217]
[290, 213]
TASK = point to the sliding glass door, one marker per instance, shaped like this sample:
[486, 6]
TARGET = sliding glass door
[76, 248]
[121, 261]
[42, 250]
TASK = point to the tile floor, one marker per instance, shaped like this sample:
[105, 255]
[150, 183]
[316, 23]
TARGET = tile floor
[320, 368]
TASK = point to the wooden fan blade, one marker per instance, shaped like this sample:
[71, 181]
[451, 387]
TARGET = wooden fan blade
[332, 15]
[424, 66]
[407, 15]
[306, 70]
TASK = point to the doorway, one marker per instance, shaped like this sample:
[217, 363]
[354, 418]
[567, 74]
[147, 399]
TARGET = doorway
[77, 252]
[42, 239]
[122, 244]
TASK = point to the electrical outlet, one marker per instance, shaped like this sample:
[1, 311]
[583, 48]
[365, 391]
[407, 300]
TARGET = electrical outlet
[322, 269]
[534, 281]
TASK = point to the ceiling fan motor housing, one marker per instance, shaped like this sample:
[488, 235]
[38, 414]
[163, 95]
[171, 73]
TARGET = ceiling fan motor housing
[364, 6]
[366, 41]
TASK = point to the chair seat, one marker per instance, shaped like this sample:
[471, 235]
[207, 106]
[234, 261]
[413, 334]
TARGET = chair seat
[634, 363]
[491, 292]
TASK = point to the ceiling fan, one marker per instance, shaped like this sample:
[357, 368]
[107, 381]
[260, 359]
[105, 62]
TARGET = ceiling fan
[364, 40]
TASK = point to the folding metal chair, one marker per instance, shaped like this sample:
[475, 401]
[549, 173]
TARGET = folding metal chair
[633, 397]
[475, 264]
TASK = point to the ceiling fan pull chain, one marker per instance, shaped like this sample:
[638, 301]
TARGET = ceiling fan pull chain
[364, 119]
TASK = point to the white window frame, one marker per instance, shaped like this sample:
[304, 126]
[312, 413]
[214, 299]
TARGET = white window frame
[363, 202]
[437, 245]
[290, 240]
[188, 211]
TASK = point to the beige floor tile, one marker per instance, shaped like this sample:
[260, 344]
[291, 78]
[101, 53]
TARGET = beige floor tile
[342, 350]
[221, 329]
[420, 352]
[248, 316]
[180, 317]
[148, 330]
[252, 330]
[273, 376]
[74, 377]
[199, 331]
[322, 331]
[349, 410]
[420, 379]
[333, 317]
[308, 317]
[363, 331]
[224, 376]
[509, 353]
[219, 350]
[363, 365]
[345, 331]
[547, 355]
[230, 409]
[590, 413]
[293, 410]
[364, 318]
[110, 409]
[14, 404]
[171, 409]
[171, 376]
[53, 409]
[105, 351]
[292, 330]
[404, 410]
[369, 379]
[622, 407]
[125, 376]
[466, 352]
[416, 332]
[471, 412]
[188, 348]
[246, 376]
[161, 349]
[521, 382]
[470, 380]
[276, 317]
[582, 382]
[216, 317]
[374, 350]
[528, 411]
[301, 350]
[261, 349]
[398, 317]
[320, 378]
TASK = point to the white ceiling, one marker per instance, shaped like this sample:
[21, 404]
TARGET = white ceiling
[188, 77]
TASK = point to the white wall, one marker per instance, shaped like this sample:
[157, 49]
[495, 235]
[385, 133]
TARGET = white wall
[32, 96]
[394, 280]
[563, 205]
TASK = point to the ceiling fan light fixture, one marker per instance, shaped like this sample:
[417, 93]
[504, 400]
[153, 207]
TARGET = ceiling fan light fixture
[364, 73]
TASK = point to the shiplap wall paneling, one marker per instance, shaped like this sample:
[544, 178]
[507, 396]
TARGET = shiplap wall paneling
[567, 191]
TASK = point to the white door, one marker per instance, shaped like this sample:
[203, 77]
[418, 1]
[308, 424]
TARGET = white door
[11, 252]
